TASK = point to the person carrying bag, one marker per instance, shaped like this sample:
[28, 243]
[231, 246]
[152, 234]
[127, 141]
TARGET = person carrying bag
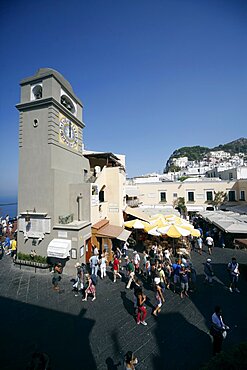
[218, 330]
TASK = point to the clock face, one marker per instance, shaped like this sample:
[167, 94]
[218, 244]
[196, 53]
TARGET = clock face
[68, 132]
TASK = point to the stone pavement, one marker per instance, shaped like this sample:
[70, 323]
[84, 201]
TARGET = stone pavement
[95, 335]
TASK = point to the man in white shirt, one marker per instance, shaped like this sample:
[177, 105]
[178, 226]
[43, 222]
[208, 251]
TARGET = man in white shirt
[94, 264]
[136, 259]
[218, 330]
[210, 244]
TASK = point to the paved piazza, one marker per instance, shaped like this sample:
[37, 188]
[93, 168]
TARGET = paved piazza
[95, 335]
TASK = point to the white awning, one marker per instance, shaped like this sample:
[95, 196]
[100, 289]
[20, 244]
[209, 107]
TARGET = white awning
[59, 248]
[195, 208]
[137, 213]
[124, 235]
[237, 228]
[229, 222]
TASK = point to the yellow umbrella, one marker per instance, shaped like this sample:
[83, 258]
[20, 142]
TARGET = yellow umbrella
[173, 231]
[196, 232]
[156, 223]
[186, 225]
[136, 224]
[153, 231]
[171, 217]
[157, 216]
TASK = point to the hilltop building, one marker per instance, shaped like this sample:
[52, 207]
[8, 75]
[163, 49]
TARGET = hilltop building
[212, 163]
[236, 173]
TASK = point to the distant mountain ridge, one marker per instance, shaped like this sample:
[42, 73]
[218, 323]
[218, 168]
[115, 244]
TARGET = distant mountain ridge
[197, 153]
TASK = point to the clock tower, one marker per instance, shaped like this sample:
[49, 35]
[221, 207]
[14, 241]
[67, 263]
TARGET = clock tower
[53, 192]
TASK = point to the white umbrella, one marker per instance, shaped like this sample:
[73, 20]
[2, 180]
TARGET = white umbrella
[173, 231]
[154, 231]
[136, 224]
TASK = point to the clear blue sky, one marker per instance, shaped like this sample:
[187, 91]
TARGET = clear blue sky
[153, 75]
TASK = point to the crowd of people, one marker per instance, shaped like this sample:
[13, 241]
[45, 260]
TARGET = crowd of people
[161, 271]
[8, 239]
[6, 226]
[157, 268]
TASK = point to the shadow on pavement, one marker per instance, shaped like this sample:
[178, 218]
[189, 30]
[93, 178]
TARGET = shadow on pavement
[26, 329]
[233, 304]
[110, 364]
[128, 304]
[181, 344]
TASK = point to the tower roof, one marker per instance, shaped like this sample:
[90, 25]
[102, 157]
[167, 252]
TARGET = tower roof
[47, 72]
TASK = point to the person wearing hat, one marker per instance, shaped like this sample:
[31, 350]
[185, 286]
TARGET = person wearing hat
[158, 295]
[208, 270]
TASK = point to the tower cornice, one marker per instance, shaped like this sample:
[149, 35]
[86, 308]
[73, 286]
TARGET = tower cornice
[46, 102]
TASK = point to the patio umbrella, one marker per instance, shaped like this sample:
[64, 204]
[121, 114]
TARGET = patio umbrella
[157, 216]
[156, 223]
[153, 231]
[173, 231]
[136, 224]
[186, 225]
[196, 233]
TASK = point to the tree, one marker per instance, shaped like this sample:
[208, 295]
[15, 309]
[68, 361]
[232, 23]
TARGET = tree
[183, 178]
[219, 198]
[179, 204]
[174, 168]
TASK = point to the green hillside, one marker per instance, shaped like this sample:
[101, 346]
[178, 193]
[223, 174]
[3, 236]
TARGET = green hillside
[236, 146]
[197, 153]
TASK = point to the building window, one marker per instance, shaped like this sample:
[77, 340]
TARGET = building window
[230, 176]
[191, 197]
[175, 195]
[94, 190]
[162, 196]
[67, 103]
[209, 195]
[37, 92]
[101, 196]
[231, 196]
[242, 195]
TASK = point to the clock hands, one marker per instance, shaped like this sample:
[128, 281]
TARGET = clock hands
[70, 130]
[68, 133]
